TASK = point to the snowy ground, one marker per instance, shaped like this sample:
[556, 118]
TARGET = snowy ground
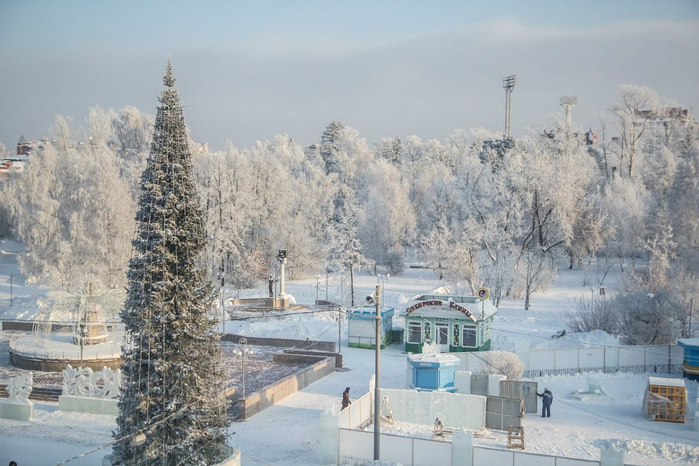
[288, 433]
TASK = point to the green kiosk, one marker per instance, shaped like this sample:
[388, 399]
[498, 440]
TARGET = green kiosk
[456, 323]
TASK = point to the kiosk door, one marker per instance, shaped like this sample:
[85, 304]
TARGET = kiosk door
[443, 335]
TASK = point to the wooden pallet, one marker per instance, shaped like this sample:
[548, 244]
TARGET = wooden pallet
[515, 437]
[439, 432]
[669, 405]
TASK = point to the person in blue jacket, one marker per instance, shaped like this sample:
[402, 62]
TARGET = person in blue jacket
[547, 399]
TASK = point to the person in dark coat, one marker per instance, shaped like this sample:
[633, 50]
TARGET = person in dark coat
[345, 398]
[547, 399]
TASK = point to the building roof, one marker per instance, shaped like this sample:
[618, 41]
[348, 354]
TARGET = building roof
[369, 312]
[691, 343]
[663, 381]
[446, 305]
[22, 140]
[433, 360]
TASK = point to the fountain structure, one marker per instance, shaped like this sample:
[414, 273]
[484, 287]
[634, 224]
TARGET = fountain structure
[81, 328]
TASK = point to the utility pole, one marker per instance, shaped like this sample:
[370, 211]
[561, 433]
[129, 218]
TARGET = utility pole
[377, 396]
[223, 307]
[339, 330]
[569, 103]
[508, 84]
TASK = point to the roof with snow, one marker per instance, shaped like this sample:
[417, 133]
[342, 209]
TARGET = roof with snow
[663, 381]
[688, 342]
[369, 312]
[433, 360]
[470, 306]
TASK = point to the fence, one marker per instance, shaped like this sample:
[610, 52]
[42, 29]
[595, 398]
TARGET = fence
[357, 447]
[500, 413]
[665, 359]
[492, 457]
[520, 389]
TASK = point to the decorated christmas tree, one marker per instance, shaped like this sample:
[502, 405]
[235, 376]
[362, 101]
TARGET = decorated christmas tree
[171, 407]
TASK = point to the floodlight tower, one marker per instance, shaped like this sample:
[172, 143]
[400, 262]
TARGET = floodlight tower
[508, 83]
[568, 103]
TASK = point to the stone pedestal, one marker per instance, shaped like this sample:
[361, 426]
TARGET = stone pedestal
[232, 460]
[16, 411]
[83, 404]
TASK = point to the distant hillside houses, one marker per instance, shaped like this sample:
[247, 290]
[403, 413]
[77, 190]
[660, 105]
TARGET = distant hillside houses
[15, 163]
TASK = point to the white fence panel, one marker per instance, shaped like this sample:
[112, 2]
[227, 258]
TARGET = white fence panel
[611, 358]
[529, 459]
[431, 453]
[541, 360]
[658, 355]
[631, 356]
[649, 358]
[575, 462]
[355, 414]
[488, 457]
[592, 358]
[396, 449]
[356, 444]
[566, 358]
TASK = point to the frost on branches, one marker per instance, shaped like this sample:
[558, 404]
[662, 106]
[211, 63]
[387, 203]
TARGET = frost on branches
[172, 389]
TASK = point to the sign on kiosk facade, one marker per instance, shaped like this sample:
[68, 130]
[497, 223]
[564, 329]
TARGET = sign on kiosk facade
[456, 323]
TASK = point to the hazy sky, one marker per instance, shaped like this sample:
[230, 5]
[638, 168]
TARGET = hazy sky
[248, 70]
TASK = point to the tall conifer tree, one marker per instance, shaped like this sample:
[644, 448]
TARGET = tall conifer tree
[172, 387]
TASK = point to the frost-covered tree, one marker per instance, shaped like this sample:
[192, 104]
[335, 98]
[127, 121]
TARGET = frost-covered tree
[390, 149]
[329, 146]
[172, 389]
[73, 210]
[343, 246]
[502, 362]
[387, 220]
[632, 120]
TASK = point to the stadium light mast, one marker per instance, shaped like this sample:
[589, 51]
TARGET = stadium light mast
[508, 84]
[569, 103]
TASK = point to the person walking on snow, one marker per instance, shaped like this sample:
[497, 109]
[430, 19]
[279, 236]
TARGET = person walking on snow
[547, 399]
[345, 398]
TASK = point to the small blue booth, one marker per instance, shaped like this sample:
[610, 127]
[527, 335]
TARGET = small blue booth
[429, 371]
[690, 365]
[361, 332]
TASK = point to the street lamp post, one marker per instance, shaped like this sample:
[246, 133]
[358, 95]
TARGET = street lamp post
[11, 277]
[384, 278]
[317, 287]
[241, 353]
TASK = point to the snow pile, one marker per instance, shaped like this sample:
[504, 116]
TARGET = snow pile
[675, 452]
[597, 338]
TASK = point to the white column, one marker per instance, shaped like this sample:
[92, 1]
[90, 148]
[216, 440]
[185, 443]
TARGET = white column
[462, 382]
[462, 448]
[494, 384]
[282, 292]
[329, 438]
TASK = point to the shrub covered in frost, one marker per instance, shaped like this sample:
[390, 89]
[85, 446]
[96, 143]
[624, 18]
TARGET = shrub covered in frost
[502, 362]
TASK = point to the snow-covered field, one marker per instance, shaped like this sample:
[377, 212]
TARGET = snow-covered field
[288, 433]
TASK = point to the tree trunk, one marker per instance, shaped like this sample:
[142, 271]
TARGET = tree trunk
[526, 296]
[351, 267]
